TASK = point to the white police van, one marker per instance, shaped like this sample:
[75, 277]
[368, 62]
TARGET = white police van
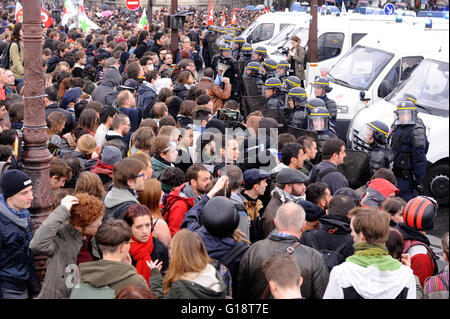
[429, 84]
[375, 65]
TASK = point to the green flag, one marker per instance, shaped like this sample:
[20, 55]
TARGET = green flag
[86, 24]
[143, 22]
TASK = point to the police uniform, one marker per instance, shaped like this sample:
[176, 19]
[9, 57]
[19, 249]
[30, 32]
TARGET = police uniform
[409, 145]
[236, 52]
[245, 56]
[232, 71]
[274, 101]
[253, 70]
[297, 116]
[319, 111]
[329, 103]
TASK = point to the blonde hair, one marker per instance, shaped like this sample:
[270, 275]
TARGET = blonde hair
[188, 255]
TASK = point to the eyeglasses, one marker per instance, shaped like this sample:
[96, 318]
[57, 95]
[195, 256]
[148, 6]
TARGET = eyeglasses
[140, 175]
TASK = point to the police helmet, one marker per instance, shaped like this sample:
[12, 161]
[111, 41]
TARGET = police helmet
[261, 51]
[253, 68]
[227, 39]
[240, 40]
[298, 95]
[318, 119]
[283, 64]
[225, 46]
[420, 213]
[246, 49]
[324, 83]
[408, 97]
[406, 113]
[374, 132]
[291, 82]
[220, 217]
[269, 65]
[314, 103]
[273, 83]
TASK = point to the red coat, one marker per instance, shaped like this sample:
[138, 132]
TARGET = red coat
[176, 206]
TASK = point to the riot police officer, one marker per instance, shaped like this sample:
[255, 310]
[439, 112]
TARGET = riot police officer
[259, 54]
[321, 88]
[409, 145]
[224, 57]
[296, 112]
[291, 82]
[269, 69]
[319, 121]
[245, 56]
[374, 135]
[238, 42]
[283, 69]
[253, 70]
[272, 89]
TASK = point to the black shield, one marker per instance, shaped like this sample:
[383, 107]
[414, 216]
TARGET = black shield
[355, 168]
[250, 86]
[253, 103]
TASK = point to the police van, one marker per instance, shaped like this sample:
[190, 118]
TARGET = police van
[376, 64]
[269, 25]
[336, 35]
[429, 84]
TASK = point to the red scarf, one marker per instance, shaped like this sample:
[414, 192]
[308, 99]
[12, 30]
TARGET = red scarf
[141, 253]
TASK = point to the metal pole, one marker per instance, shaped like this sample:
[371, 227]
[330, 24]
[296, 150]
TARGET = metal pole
[36, 156]
[150, 11]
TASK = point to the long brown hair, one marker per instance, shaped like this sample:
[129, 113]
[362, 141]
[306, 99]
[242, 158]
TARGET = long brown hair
[90, 183]
[151, 196]
[188, 255]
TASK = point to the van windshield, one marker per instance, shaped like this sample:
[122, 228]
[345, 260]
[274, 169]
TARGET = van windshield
[282, 35]
[428, 83]
[359, 67]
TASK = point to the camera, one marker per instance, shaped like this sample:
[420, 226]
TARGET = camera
[228, 115]
[284, 51]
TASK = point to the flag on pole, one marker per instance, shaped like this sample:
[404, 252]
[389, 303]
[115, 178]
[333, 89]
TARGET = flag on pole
[18, 13]
[210, 13]
[266, 9]
[343, 6]
[143, 21]
[46, 20]
[222, 23]
[69, 12]
[80, 6]
[85, 23]
[233, 18]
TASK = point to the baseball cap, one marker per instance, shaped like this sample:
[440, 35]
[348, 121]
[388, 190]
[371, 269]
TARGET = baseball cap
[254, 176]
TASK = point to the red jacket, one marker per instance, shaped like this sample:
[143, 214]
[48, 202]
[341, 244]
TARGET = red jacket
[175, 206]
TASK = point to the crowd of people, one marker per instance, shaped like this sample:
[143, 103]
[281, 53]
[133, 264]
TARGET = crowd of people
[169, 183]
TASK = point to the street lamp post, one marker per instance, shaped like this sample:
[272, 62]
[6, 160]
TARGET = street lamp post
[36, 156]
[174, 37]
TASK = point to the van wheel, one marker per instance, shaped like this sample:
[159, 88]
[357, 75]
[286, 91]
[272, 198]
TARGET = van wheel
[436, 183]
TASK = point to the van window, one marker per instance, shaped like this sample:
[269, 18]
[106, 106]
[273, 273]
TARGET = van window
[409, 64]
[390, 80]
[284, 25]
[262, 32]
[356, 37]
[329, 45]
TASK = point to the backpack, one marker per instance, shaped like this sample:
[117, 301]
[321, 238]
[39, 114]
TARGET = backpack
[118, 211]
[167, 204]
[332, 257]
[317, 175]
[410, 243]
[5, 61]
[85, 291]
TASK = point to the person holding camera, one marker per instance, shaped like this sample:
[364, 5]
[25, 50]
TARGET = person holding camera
[217, 94]
[296, 56]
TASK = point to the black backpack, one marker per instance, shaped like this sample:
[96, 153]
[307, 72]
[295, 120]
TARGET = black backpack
[4, 58]
[332, 257]
[317, 175]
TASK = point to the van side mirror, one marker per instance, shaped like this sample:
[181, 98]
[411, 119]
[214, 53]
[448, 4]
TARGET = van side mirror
[362, 95]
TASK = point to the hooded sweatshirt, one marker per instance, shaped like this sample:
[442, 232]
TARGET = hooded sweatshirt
[117, 196]
[114, 274]
[377, 191]
[371, 277]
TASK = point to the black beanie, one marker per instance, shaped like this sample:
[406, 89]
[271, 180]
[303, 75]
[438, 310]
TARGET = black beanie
[14, 181]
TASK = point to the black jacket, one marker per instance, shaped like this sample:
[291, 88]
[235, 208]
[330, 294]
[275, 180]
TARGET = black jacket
[333, 232]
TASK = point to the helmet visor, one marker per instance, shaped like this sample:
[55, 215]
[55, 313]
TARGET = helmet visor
[366, 134]
[405, 116]
[318, 123]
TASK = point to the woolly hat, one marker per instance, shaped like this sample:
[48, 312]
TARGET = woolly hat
[14, 181]
[111, 155]
[217, 124]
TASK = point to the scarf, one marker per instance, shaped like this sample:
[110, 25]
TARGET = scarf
[285, 197]
[102, 168]
[23, 214]
[141, 253]
[377, 255]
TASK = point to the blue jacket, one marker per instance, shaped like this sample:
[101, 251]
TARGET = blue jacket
[135, 119]
[146, 98]
[16, 259]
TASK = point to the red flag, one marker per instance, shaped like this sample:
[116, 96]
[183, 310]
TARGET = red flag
[210, 14]
[266, 10]
[222, 23]
[46, 20]
[233, 18]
